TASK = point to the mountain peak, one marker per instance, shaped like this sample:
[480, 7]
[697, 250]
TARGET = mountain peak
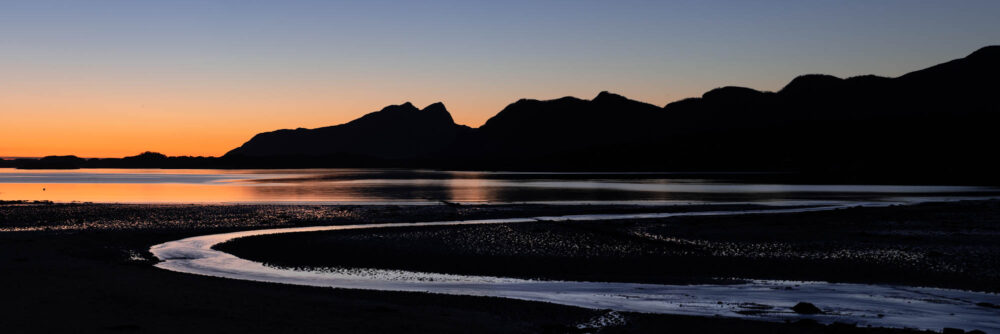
[607, 96]
[811, 83]
[991, 51]
[395, 132]
[437, 110]
[730, 93]
[435, 107]
[406, 106]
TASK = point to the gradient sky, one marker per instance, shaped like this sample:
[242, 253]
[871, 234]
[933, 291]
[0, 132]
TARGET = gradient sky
[115, 78]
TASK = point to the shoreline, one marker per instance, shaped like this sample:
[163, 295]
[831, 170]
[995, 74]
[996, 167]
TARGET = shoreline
[867, 245]
[91, 254]
[893, 306]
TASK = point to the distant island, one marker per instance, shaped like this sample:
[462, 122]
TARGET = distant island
[938, 123]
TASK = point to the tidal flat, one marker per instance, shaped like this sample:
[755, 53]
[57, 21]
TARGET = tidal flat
[88, 265]
[946, 245]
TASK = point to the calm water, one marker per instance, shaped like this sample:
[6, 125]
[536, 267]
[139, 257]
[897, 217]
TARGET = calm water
[421, 186]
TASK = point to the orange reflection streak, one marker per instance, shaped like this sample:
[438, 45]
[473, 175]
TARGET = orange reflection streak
[125, 193]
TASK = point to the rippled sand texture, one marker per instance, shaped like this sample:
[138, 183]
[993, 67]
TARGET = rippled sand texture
[877, 305]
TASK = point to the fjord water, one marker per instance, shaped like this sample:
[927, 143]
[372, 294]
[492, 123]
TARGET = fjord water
[407, 186]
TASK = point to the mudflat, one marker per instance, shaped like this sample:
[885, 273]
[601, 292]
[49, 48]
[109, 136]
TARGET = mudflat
[947, 245]
[85, 267]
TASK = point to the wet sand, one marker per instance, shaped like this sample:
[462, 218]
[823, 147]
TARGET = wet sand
[84, 268]
[938, 245]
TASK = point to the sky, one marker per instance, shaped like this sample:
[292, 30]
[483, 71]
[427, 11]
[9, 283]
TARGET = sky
[107, 78]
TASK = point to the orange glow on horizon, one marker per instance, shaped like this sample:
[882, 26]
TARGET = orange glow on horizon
[119, 122]
[107, 127]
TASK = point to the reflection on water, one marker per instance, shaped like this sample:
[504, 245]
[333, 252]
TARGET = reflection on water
[416, 186]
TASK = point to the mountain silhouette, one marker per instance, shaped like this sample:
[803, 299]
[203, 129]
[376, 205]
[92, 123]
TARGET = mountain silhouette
[935, 123]
[532, 127]
[395, 132]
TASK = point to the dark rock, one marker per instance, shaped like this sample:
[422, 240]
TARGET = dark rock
[806, 308]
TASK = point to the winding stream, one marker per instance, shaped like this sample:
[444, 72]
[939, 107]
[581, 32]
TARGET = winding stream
[863, 304]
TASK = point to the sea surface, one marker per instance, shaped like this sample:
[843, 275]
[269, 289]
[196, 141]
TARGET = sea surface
[415, 187]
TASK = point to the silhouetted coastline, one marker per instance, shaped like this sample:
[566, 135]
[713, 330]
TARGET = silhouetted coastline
[931, 125]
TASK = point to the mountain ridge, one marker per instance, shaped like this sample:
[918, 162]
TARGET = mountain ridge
[807, 84]
[395, 131]
[933, 123]
[935, 118]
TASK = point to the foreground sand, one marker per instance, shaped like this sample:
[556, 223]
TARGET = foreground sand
[85, 268]
[951, 245]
